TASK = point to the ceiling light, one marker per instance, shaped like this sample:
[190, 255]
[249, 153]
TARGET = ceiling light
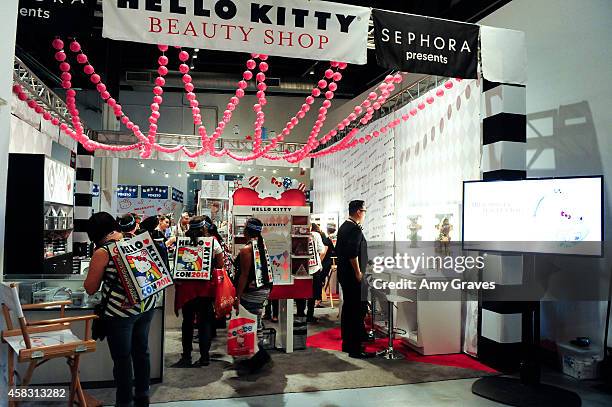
[274, 172]
[312, 72]
[249, 169]
[194, 56]
[152, 170]
[187, 174]
[290, 169]
[179, 175]
[141, 164]
[264, 170]
[197, 49]
[191, 67]
[166, 175]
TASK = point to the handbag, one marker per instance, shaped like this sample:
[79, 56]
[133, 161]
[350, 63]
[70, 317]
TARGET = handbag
[99, 325]
[224, 293]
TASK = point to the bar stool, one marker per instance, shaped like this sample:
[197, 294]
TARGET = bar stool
[390, 352]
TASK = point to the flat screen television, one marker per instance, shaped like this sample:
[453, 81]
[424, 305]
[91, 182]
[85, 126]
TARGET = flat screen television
[539, 215]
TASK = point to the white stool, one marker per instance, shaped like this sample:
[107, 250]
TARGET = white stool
[390, 353]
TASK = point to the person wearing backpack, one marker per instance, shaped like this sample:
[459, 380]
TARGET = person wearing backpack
[253, 285]
[126, 327]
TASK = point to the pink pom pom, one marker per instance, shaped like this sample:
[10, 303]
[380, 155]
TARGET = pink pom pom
[193, 103]
[239, 92]
[337, 77]
[329, 94]
[263, 57]
[63, 127]
[191, 96]
[156, 114]
[101, 87]
[158, 100]
[105, 95]
[242, 84]
[186, 78]
[125, 119]
[95, 78]
[263, 66]
[154, 107]
[57, 44]
[60, 56]
[159, 81]
[88, 69]
[162, 47]
[352, 117]
[358, 109]
[262, 86]
[421, 106]
[333, 86]
[158, 90]
[183, 56]
[55, 121]
[440, 93]
[111, 102]
[81, 58]
[261, 94]
[376, 105]
[413, 112]
[310, 100]
[64, 67]
[260, 77]
[430, 100]
[405, 117]
[329, 73]
[38, 109]
[334, 64]
[247, 75]
[189, 87]
[234, 100]
[163, 70]
[322, 84]
[251, 64]
[372, 96]
[71, 93]
[342, 65]
[361, 140]
[66, 84]
[301, 114]
[75, 46]
[162, 60]
[326, 104]
[22, 96]
[316, 92]
[448, 85]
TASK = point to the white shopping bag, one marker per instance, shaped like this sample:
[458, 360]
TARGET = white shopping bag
[242, 334]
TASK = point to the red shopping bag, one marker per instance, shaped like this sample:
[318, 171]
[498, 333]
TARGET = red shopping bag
[224, 293]
[242, 334]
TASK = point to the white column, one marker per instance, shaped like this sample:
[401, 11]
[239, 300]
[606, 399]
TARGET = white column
[109, 178]
[8, 30]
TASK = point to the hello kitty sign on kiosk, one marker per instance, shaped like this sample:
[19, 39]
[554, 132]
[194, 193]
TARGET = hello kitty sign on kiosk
[193, 262]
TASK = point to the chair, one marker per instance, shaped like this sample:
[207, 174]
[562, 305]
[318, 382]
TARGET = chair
[36, 342]
[390, 352]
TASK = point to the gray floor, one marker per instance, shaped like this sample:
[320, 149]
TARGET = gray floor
[434, 394]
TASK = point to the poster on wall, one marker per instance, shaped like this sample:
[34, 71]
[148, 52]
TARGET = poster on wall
[59, 182]
[425, 45]
[308, 30]
[143, 266]
[193, 262]
[214, 189]
[147, 207]
[277, 234]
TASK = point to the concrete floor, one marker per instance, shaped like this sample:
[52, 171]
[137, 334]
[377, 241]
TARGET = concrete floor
[434, 394]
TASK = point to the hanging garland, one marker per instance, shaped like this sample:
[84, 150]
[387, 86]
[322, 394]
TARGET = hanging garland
[325, 87]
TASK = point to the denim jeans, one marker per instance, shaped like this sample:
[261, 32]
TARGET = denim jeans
[128, 342]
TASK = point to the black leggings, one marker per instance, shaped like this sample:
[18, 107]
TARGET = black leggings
[202, 309]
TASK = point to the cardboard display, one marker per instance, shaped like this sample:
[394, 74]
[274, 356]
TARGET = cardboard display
[193, 262]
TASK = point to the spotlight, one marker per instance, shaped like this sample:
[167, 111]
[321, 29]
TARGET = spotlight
[274, 172]
[141, 164]
[152, 170]
[249, 169]
[264, 170]
[195, 56]
[166, 175]
[191, 67]
[197, 49]
[312, 72]
[290, 169]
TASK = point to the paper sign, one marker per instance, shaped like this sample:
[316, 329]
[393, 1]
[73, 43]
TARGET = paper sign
[144, 266]
[193, 262]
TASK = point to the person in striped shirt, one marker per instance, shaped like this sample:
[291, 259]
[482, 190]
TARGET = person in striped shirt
[126, 326]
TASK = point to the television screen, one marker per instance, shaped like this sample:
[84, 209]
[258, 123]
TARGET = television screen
[548, 215]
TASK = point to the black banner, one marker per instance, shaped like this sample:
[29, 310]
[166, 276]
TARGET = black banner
[425, 45]
[59, 17]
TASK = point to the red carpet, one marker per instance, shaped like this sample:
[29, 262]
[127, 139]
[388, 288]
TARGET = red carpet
[331, 340]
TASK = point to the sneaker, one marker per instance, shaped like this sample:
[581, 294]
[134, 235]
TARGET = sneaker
[182, 363]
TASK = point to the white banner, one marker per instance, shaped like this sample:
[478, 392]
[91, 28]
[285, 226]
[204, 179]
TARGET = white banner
[307, 29]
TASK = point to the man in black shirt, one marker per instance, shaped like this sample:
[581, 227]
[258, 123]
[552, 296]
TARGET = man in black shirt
[352, 252]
